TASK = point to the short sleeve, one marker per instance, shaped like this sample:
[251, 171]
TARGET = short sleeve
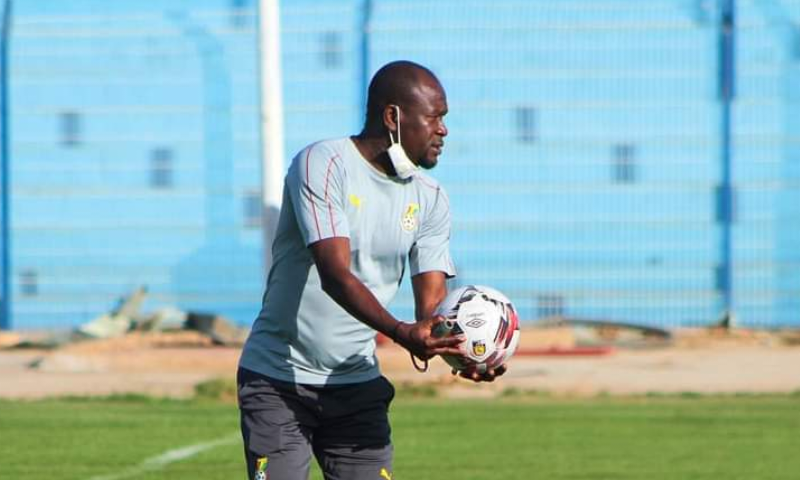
[431, 251]
[316, 184]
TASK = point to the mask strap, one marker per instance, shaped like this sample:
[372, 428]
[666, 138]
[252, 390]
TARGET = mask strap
[391, 139]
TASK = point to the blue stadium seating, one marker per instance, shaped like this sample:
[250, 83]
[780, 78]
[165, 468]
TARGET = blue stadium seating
[583, 162]
[89, 225]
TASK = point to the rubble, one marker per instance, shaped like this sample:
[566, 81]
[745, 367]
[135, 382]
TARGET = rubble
[127, 317]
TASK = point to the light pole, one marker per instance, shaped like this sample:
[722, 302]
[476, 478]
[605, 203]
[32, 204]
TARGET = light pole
[5, 196]
[726, 195]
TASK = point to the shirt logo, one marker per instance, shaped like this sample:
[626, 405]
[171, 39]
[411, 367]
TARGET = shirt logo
[356, 201]
[409, 218]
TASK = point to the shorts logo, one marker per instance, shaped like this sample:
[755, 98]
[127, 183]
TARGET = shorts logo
[261, 468]
[478, 347]
[409, 218]
[385, 474]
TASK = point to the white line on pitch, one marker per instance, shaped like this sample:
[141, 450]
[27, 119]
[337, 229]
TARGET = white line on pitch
[170, 456]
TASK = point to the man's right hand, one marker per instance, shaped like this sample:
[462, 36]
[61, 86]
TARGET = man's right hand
[418, 339]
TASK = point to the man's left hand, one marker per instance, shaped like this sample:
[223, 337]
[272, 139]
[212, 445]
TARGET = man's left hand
[488, 376]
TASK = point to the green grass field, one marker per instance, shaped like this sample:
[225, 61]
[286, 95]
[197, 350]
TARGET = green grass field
[516, 437]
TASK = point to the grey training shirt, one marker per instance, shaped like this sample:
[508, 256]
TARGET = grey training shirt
[301, 335]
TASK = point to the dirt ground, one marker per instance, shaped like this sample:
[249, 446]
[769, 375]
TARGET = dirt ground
[553, 360]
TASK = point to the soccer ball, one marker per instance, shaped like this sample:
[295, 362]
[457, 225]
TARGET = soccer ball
[489, 322]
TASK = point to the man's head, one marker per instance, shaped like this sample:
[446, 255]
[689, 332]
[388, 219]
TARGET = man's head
[417, 94]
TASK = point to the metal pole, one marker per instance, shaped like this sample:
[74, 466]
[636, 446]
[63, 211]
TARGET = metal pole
[5, 196]
[366, 12]
[726, 201]
[272, 151]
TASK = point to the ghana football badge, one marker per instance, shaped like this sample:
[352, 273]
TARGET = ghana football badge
[261, 468]
[409, 219]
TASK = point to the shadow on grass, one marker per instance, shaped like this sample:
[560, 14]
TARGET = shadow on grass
[223, 390]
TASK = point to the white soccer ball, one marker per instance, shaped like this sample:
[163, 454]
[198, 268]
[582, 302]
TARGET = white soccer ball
[487, 319]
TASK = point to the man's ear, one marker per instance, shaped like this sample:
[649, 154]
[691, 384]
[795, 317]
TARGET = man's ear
[390, 117]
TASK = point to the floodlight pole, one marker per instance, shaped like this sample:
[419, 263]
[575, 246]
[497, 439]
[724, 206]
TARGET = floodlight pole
[726, 210]
[5, 168]
[272, 151]
[363, 85]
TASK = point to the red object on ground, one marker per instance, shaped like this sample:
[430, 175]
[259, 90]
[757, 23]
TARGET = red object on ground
[563, 352]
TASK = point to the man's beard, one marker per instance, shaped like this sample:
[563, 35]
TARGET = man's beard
[427, 164]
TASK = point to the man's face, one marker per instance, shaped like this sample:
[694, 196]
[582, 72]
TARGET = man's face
[422, 126]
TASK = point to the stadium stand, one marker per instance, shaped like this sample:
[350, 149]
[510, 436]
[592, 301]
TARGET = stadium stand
[583, 164]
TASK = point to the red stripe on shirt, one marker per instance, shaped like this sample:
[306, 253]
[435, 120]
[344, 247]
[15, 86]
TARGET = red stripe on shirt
[327, 177]
[425, 182]
[311, 196]
[438, 189]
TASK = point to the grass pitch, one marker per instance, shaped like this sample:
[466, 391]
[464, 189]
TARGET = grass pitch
[517, 437]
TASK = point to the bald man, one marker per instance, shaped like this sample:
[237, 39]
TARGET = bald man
[355, 211]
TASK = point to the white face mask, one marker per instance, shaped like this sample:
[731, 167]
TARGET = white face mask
[403, 165]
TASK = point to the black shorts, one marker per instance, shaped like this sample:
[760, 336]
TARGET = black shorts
[346, 427]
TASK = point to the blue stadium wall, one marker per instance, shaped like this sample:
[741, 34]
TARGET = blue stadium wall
[583, 164]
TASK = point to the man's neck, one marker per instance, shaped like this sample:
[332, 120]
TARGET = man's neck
[373, 149]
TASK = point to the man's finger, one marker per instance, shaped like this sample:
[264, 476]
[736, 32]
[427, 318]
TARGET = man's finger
[453, 351]
[457, 340]
[488, 376]
[445, 342]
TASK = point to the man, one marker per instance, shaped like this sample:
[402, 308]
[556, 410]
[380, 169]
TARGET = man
[354, 211]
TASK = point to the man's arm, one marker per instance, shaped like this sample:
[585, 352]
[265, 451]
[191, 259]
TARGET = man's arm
[430, 288]
[332, 258]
